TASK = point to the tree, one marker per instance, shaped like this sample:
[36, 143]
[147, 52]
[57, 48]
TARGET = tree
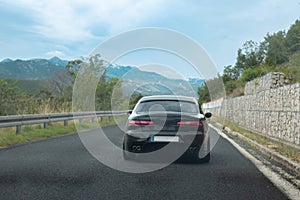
[134, 99]
[8, 100]
[240, 63]
[73, 67]
[90, 72]
[203, 94]
[252, 54]
[60, 89]
[277, 52]
[103, 96]
[230, 73]
[293, 37]
[253, 57]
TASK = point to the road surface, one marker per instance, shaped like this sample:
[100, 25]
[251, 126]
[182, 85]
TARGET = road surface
[61, 168]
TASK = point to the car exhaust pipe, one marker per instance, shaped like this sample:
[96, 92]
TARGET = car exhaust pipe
[193, 149]
[136, 148]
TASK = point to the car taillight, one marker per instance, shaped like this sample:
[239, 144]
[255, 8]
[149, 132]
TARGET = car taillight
[140, 122]
[189, 123]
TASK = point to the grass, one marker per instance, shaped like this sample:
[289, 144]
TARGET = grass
[29, 133]
[281, 148]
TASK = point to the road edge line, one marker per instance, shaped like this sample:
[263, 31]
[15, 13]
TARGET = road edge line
[283, 185]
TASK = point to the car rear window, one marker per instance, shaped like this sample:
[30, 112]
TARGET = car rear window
[167, 105]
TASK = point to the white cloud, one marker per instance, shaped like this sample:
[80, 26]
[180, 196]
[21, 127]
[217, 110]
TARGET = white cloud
[74, 27]
[74, 20]
[55, 53]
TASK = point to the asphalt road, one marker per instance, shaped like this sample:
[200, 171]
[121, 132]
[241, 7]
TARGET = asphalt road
[61, 168]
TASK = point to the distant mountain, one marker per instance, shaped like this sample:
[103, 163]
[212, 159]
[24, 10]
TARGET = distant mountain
[34, 69]
[196, 81]
[134, 79]
[117, 71]
[58, 62]
[134, 73]
[150, 83]
[6, 60]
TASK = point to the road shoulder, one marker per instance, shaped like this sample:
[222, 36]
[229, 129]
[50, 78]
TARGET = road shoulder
[288, 188]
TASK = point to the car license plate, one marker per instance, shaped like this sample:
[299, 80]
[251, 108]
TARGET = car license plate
[164, 138]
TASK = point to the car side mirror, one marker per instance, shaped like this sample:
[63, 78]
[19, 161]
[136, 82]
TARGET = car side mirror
[208, 115]
[129, 112]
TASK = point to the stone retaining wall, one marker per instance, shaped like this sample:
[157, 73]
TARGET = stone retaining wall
[274, 112]
[269, 81]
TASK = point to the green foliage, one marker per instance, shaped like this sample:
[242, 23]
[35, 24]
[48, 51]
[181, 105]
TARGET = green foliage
[291, 68]
[212, 89]
[73, 67]
[279, 51]
[8, 136]
[252, 73]
[134, 99]
[25, 86]
[8, 96]
[92, 72]
[253, 55]
[232, 86]
[203, 94]
[293, 37]
[90, 78]
[104, 92]
[216, 87]
[230, 73]
[56, 94]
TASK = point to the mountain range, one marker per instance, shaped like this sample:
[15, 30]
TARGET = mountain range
[134, 79]
[34, 69]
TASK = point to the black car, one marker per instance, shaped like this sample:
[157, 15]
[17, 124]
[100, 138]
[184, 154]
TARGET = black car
[166, 120]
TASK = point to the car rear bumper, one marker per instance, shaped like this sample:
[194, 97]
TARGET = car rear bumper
[192, 143]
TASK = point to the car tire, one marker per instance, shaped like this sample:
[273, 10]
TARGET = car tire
[126, 155]
[206, 159]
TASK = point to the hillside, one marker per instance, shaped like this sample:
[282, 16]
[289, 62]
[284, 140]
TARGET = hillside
[31, 74]
[26, 86]
[34, 69]
[278, 52]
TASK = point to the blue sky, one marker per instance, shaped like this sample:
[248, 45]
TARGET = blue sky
[71, 29]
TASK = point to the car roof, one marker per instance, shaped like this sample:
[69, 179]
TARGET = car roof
[168, 97]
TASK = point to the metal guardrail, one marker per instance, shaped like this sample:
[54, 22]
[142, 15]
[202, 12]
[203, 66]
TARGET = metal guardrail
[19, 120]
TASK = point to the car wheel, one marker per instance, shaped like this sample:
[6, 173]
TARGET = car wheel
[126, 154]
[206, 159]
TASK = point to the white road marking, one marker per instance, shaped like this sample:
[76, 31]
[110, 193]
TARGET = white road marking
[283, 185]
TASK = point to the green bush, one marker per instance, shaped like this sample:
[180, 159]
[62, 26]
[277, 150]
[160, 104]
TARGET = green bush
[252, 73]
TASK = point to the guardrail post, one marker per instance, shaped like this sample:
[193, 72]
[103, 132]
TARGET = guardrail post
[100, 119]
[46, 125]
[65, 122]
[18, 129]
[92, 120]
